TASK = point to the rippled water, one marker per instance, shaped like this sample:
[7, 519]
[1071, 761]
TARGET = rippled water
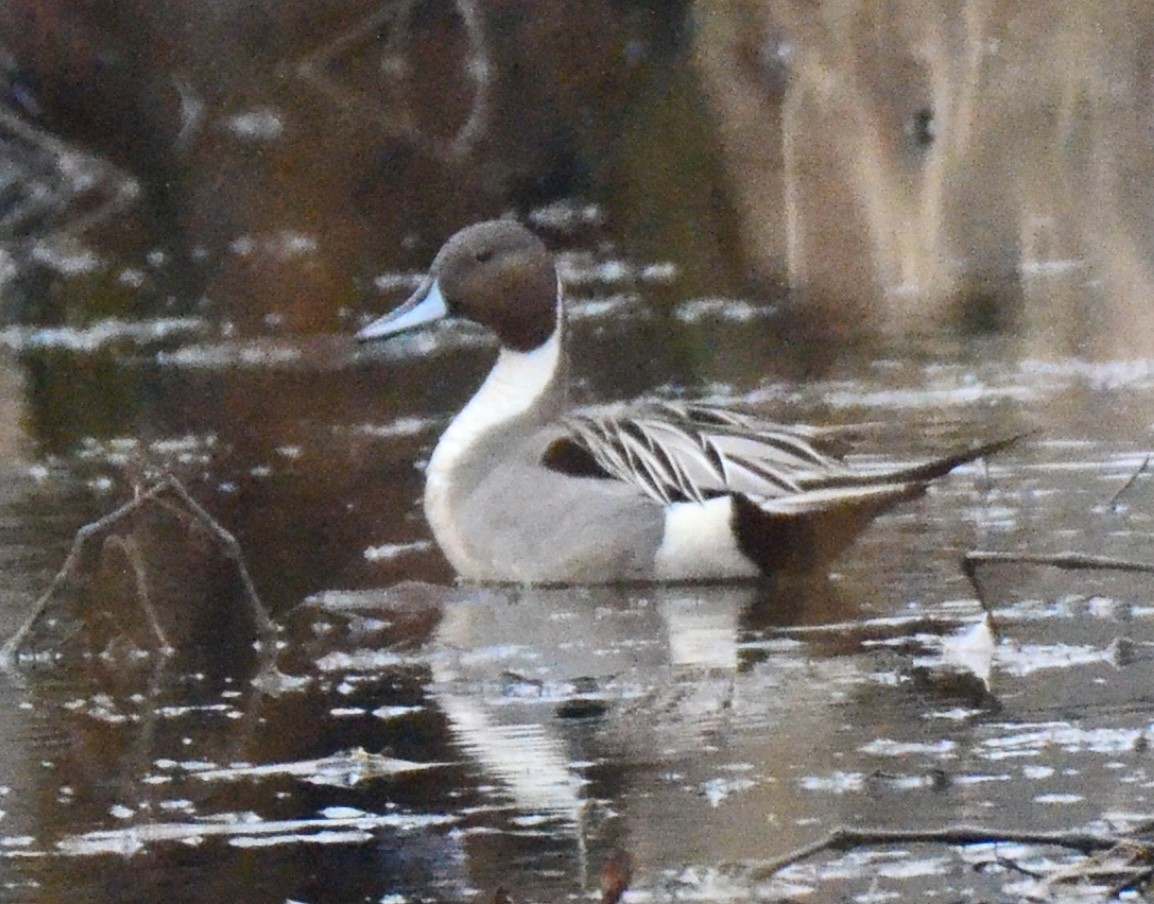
[408, 739]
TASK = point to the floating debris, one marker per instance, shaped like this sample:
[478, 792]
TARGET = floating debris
[344, 770]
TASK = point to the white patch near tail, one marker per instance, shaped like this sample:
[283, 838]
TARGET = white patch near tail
[699, 543]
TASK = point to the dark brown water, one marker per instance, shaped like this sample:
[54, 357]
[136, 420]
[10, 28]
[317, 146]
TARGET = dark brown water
[420, 741]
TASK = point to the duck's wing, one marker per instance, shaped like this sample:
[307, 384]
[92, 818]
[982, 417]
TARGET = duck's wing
[831, 441]
[811, 455]
[678, 454]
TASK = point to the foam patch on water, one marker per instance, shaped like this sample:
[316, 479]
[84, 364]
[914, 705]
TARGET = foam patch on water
[727, 310]
[567, 214]
[712, 885]
[835, 783]
[247, 829]
[398, 282]
[388, 713]
[1020, 660]
[360, 661]
[926, 398]
[402, 426]
[120, 451]
[282, 245]
[1033, 739]
[343, 770]
[390, 551]
[616, 306]
[1060, 799]
[942, 749]
[256, 125]
[102, 334]
[580, 268]
[716, 790]
[1137, 373]
[254, 353]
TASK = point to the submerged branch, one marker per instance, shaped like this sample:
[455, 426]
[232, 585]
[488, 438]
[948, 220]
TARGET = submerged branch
[1066, 561]
[845, 838]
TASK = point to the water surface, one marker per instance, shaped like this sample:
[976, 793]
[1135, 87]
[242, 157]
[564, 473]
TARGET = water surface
[425, 741]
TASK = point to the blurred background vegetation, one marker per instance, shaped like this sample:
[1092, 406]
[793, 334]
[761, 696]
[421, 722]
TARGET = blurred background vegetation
[878, 167]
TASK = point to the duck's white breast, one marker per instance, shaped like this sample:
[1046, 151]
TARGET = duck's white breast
[514, 385]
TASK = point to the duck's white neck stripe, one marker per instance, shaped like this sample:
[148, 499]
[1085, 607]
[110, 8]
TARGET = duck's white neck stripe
[515, 384]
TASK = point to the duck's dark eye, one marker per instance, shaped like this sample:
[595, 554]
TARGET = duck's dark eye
[484, 255]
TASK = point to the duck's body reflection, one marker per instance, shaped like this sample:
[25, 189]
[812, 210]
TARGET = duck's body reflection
[550, 691]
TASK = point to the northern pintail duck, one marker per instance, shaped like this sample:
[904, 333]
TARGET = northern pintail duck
[519, 489]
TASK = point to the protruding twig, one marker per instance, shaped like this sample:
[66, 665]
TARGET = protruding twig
[83, 535]
[265, 627]
[1130, 481]
[131, 551]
